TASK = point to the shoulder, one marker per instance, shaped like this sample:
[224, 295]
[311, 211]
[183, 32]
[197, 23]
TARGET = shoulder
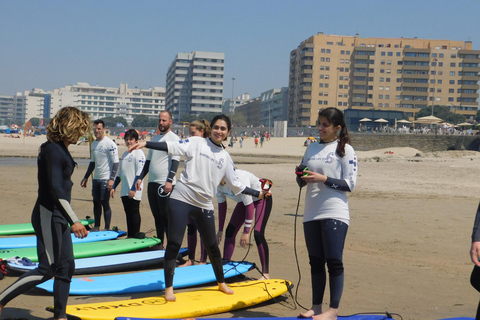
[171, 136]
[349, 148]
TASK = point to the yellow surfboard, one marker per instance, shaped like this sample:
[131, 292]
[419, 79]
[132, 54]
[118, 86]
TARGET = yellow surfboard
[191, 304]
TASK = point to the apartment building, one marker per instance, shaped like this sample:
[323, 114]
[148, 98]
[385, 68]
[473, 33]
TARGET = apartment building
[229, 105]
[100, 102]
[402, 74]
[250, 110]
[273, 106]
[194, 83]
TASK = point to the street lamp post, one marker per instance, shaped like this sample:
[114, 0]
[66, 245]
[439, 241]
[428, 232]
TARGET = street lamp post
[233, 89]
[434, 81]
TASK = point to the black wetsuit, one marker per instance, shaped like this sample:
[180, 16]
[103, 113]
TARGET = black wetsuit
[475, 277]
[50, 218]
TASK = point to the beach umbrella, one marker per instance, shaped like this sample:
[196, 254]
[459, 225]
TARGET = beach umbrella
[403, 121]
[465, 124]
[381, 120]
[428, 120]
[365, 120]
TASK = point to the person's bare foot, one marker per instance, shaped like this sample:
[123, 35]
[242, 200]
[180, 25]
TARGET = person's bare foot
[265, 276]
[190, 262]
[316, 310]
[330, 314]
[169, 296]
[202, 262]
[307, 314]
[224, 288]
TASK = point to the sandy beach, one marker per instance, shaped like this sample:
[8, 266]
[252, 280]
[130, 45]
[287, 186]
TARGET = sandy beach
[407, 248]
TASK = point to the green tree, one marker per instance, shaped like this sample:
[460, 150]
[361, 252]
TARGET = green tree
[188, 118]
[144, 121]
[109, 122]
[442, 112]
[121, 120]
[239, 120]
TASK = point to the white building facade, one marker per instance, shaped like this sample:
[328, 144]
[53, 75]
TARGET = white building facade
[274, 105]
[194, 83]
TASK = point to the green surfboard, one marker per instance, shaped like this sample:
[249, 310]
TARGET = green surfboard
[27, 228]
[89, 249]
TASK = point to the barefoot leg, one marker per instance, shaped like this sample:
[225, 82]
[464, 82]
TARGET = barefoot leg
[169, 296]
[330, 314]
[224, 288]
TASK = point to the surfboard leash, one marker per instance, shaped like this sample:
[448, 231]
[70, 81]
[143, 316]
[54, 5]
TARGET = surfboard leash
[295, 250]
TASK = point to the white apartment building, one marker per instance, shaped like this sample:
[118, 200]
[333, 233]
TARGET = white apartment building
[229, 105]
[100, 102]
[273, 107]
[194, 83]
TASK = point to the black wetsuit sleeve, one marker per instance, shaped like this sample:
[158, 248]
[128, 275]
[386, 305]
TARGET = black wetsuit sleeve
[91, 166]
[161, 145]
[337, 184]
[115, 167]
[117, 182]
[145, 170]
[476, 225]
[173, 170]
[251, 192]
[55, 164]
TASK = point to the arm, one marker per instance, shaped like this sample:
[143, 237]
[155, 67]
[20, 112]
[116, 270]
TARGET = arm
[113, 174]
[137, 183]
[171, 175]
[90, 168]
[115, 185]
[248, 225]
[475, 248]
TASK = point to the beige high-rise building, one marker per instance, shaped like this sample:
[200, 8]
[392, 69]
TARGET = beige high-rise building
[381, 73]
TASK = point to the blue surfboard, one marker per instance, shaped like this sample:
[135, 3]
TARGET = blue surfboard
[110, 263]
[31, 241]
[148, 281]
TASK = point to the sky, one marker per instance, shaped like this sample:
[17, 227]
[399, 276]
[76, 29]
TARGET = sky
[53, 43]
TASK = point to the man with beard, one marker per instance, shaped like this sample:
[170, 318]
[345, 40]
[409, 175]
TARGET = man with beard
[104, 160]
[161, 180]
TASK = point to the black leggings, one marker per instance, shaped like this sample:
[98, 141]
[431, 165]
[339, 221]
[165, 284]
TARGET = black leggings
[55, 257]
[204, 220]
[132, 212]
[159, 207]
[101, 199]
[325, 241]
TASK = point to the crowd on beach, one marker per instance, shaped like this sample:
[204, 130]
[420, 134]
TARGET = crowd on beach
[183, 202]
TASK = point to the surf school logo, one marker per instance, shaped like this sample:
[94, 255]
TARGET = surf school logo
[220, 163]
[329, 158]
[184, 141]
[113, 306]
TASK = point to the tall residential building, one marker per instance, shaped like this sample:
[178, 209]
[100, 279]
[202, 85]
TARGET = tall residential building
[273, 106]
[194, 83]
[229, 105]
[381, 73]
[250, 110]
[102, 102]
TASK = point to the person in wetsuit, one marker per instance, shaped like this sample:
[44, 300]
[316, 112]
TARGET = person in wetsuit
[247, 207]
[475, 256]
[207, 163]
[332, 173]
[52, 213]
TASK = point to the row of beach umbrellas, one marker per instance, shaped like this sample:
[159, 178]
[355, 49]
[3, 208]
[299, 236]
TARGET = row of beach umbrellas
[421, 120]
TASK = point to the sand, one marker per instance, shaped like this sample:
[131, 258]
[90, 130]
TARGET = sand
[407, 249]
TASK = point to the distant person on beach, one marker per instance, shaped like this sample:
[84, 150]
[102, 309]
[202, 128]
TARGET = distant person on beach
[207, 164]
[331, 173]
[131, 166]
[161, 169]
[475, 256]
[198, 128]
[249, 212]
[52, 213]
[104, 160]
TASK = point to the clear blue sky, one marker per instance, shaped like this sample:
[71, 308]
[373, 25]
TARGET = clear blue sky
[50, 44]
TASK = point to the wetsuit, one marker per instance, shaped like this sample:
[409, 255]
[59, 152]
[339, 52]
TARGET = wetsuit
[243, 214]
[475, 277]
[207, 164]
[50, 218]
[326, 216]
[105, 162]
[161, 168]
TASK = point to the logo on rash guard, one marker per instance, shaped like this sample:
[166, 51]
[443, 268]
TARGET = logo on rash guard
[112, 149]
[220, 163]
[329, 158]
[184, 141]
[354, 163]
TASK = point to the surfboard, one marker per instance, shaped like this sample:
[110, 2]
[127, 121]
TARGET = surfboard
[27, 228]
[148, 281]
[29, 241]
[352, 317]
[190, 304]
[89, 249]
[111, 263]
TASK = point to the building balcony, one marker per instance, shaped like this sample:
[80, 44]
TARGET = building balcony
[474, 78]
[469, 95]
[471, 69]
[358, 99]
[415, 93]
[414, 85]
[415, 76]
[360, 74]
[420, 68]
[470, 86]
[359, 91]
[422, 59]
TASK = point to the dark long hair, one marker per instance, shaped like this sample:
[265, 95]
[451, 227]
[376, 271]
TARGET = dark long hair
[224, 118]
[335, 117]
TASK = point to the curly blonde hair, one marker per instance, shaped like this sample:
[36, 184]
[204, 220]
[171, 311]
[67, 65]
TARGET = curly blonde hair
[69, 124]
